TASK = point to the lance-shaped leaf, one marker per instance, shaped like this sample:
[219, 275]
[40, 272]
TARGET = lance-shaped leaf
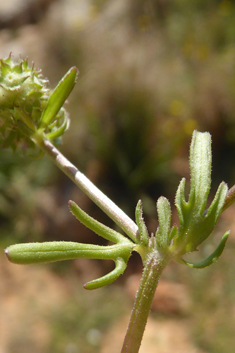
[200, 168]
[210, 219]
[173, 232]
[216, 207]
[164, 219]
[58, 97]
[143, 231]
[180, 202]
[97, 227]
[45, 252]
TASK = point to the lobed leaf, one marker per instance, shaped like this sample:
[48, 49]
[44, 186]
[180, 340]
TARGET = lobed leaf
[196, 224]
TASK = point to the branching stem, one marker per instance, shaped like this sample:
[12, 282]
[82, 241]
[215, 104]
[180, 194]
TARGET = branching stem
[97, 196]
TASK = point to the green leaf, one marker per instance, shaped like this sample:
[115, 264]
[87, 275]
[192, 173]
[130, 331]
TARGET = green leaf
[58, 97]
[217, 204]
[97, 227]
[32, 253]
[143, 231]
[196, 224]
[164, 218]
[58, 132]
[209, 220]
[173, 232]
[120, 266]
[200, 167]
[212, 258]
[180, 202]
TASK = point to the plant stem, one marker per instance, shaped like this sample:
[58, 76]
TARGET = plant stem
[154, 266]
[97, 196]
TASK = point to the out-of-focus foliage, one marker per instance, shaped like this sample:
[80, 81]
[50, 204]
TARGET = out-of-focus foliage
[73, 329]
[212, 292]
[150, 73]
[24, 192]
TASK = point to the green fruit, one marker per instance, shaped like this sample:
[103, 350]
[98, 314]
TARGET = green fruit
[24, 94]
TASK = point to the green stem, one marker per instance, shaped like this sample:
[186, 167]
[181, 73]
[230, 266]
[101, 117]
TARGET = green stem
[154, 266]
[97, 196]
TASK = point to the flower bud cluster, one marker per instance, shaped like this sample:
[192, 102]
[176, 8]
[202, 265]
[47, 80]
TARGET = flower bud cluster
[24, 94]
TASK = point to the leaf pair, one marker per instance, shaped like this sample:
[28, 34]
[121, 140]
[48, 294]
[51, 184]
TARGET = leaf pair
[56, 251]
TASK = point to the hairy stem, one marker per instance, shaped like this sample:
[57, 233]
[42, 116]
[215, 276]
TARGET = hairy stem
[97, 196]
[154, 266]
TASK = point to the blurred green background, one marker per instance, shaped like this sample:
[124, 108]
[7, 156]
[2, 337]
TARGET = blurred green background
[150, 73]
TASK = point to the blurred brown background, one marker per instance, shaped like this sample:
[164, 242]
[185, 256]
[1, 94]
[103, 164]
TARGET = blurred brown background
[150, 73]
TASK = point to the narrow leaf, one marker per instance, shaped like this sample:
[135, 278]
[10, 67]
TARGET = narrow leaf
[58, 97]
[58, 132]
[173, 233]
[212, 258]
[32, 253]
[143, 231]
[217, 204]
[120, 266]
[164, 218]
[95, 226]
[180, 200]
[200, 167]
